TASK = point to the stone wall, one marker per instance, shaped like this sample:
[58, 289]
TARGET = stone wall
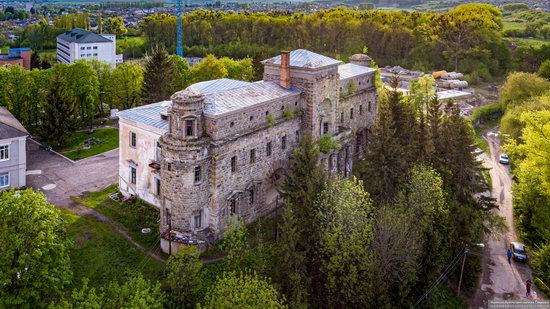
[247, 120]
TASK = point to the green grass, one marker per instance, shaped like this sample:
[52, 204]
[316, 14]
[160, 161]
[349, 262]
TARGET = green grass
[132, 215]
[528, 42]
[107, 140]
[102, 255]
[478, 130]
[508, 25]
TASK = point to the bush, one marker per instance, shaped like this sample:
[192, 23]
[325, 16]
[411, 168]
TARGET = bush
[541, 266]
[287, 113]
[486, 112]
[327, 143]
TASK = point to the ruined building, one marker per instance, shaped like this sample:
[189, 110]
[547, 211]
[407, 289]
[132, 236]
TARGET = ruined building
[220, 148]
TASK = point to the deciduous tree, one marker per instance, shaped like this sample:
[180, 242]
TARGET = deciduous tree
[35, 263]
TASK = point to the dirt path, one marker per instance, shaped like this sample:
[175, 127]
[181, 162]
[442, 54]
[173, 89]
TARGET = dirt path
[500, 279]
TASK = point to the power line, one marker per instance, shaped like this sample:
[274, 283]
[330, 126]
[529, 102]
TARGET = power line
[447, 270]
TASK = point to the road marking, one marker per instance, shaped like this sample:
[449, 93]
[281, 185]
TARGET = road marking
[48, 187]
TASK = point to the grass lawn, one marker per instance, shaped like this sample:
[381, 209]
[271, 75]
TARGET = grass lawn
[132, 215]
[106, 139]
[101, 254]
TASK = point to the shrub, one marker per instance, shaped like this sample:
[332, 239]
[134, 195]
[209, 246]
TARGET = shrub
[485, 112]
[270, 120]
[287, 113]
[327, 143]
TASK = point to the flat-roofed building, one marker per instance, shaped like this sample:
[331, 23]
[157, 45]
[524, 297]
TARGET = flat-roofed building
[79, 44]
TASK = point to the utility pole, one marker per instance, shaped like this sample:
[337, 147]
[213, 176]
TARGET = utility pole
[462, 270]
[179, 46]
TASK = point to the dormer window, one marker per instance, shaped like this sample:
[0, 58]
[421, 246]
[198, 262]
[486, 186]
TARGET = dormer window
[189, 128]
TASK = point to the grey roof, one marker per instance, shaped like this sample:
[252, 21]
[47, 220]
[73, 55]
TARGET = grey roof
[216, 103]
[302, 58]
[148, 114]
[213, 86]
[350, 70]
[234, 99]
[82, 36]
[9, 126]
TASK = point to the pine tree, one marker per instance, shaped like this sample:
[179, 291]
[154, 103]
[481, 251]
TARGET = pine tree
[385, 162]
[299, 230]
[460, 170]
[433, 123]
[60, 112]
[303, 182]
[160, 72]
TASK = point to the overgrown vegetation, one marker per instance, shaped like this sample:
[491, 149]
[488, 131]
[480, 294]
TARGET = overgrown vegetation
[134, 215]
[327, 143]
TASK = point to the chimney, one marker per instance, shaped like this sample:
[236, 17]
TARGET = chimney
[285, 69]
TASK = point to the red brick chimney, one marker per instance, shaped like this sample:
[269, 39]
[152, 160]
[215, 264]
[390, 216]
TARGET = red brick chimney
[285, 69]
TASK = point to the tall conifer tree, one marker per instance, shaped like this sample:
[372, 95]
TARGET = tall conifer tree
[160, 72]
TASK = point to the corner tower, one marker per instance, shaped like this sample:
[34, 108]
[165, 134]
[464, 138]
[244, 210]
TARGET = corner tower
[184, 170]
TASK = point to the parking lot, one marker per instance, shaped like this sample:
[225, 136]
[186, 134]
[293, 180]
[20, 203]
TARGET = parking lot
[60, 178]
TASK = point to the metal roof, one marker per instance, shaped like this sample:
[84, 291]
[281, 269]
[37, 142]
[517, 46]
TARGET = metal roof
[217, 85]
[9, 126]
[234, 99]
[350, 70]
[148, 114]
[302, 58]
[452, 94]
[82, 36]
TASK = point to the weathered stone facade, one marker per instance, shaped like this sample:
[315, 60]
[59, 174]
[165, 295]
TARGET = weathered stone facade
[227, 147]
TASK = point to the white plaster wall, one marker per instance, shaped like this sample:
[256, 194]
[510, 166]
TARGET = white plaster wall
[142, 155]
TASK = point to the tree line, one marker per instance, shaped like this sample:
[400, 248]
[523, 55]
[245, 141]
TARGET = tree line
[52, 103]
[526, 100]
[466, 38]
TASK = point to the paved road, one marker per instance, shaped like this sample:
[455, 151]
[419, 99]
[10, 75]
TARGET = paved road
[60, 178]
[501, 280]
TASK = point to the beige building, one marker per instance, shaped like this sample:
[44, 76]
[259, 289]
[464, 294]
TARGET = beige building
[219, 149]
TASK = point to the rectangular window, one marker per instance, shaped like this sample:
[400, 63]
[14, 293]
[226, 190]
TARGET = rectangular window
[325, 127]
[4, 180]
[167, 214]
[233, 207]
[82, 55]
[268, 149]
[95, 47]
[197, 219]
[283, 142]
[4, 152]
[368, 107]
[88, 55]
[251, 200]
[297, 135]
[360, 109]
[82, 48]
[233, 164]
[133, 139]
[342, 117]
[157, 186]
[89, 47]
[351, 113]
[95, 54]
[252, 156]
[132, 175]
[198, 174]
[189, 127]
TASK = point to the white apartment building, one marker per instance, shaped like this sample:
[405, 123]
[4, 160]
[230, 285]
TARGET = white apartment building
[79, 44]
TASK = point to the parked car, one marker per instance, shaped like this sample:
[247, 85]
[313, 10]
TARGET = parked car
[503, 159]
[519, 253]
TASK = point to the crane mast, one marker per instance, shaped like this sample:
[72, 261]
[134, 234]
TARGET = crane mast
[179, 46]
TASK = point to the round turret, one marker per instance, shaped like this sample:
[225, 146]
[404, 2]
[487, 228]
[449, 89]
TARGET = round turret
[361, 59]
[186, 114]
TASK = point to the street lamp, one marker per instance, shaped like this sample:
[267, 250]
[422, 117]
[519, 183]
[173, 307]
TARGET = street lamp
[480, 245]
